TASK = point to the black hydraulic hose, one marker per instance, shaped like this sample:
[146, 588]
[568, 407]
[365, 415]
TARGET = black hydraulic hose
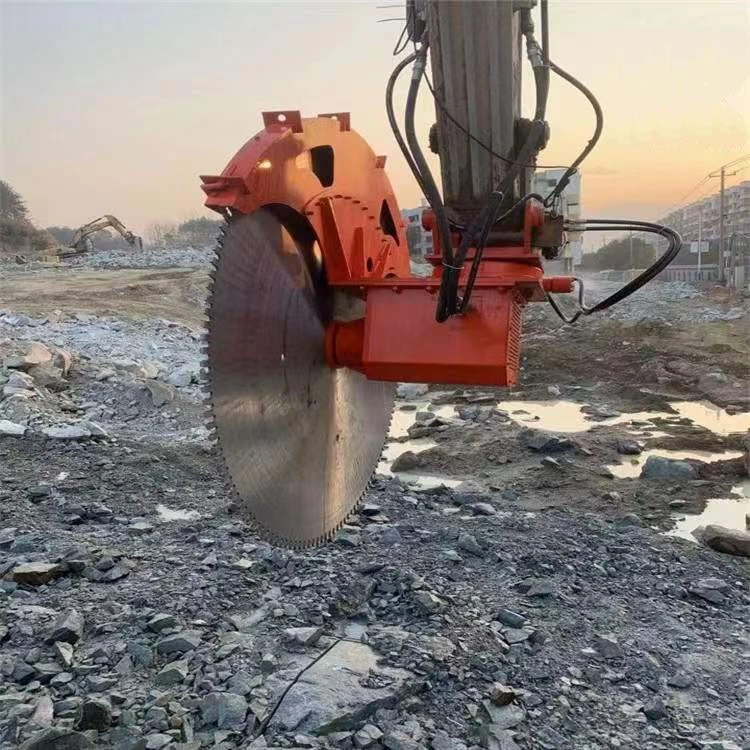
[394, 123]
[602, 225]
[479, 251]
[430, 188]
[484, 221]
[563, 181]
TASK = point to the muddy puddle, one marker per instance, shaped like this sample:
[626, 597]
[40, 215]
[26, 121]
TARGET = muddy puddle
[571, 417]
[403, 418]
[632, 468]
[731, 512]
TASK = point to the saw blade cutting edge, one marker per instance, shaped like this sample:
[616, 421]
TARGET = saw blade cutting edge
[300, 441]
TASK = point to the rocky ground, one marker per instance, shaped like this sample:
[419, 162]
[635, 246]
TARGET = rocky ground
[510, 586]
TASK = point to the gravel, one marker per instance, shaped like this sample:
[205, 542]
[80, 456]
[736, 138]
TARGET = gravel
[525, 608]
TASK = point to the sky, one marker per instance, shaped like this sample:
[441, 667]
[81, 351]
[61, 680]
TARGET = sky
[117, 106]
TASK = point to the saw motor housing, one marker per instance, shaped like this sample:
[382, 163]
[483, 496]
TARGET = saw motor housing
[318, 170]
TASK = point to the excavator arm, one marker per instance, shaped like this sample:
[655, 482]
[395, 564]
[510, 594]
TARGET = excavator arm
[80, 242]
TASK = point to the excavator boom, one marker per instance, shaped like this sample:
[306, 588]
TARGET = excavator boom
[81, 242]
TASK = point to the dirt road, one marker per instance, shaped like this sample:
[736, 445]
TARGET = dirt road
[175, 293]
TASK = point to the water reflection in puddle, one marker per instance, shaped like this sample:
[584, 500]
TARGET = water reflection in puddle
[712, 417]
[402, 420]
[571, 416]
[176, 514]
[632, 468]
[555, 416]
[725, 511]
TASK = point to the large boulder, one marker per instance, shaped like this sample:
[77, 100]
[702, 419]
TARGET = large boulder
[544, 442]
[723, 539]
[340, 691]
[657, 467]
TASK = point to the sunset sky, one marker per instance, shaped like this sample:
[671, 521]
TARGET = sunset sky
[117, 107]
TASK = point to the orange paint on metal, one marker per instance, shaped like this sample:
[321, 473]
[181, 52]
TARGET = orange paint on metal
[328, 174]
[558, 284]
[401, 340]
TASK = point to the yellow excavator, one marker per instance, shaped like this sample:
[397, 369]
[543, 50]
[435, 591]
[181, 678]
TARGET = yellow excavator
[81, 242]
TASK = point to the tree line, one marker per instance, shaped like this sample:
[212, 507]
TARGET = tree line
[623, 253]
[18, 234]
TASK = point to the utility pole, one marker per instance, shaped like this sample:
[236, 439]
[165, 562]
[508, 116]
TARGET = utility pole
[722, 173]
[722, 261]
[475, 55]
[632, 264]
[700, 240]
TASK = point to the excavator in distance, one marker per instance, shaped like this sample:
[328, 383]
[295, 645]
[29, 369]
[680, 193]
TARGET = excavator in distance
[313, 313]
[81, 242]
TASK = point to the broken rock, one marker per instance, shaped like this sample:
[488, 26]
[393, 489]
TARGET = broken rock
[68, 629]
[608, 646]
[67, 432]
[428, 601]
[302, 636]
[11, 429]
[94, 713]
[407, 461]
[160, 393]
[657, 467]
[340, 691]
[398, 740]
[410, 391]
[226, 710]
[713, 590]
[723, 539]
[37, 573]
[367, 736]
[173, 673]
[57, 738]
[468, 543]
[179, 643]
[544, 442]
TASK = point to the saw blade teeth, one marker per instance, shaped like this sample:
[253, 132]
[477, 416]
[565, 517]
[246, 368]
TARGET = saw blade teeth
[229, 248]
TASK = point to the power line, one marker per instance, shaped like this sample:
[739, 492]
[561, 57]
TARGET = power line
[740, 159]
[710, 175]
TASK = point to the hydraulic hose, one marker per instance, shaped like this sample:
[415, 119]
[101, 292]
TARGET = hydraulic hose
[394, 123]
[430, 189]
[602, 225]
[565, 179]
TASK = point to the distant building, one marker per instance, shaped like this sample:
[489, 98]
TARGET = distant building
[698, 226]
[570, 205]
[700, 219]
[419, 239]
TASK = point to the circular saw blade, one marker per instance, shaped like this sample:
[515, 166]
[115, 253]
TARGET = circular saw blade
[300, 440]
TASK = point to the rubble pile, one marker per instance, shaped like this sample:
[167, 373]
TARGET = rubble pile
[79, 376]
[526, 597]
[162, 257]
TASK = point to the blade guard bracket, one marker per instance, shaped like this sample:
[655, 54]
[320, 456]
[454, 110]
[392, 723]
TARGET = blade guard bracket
[327, 173]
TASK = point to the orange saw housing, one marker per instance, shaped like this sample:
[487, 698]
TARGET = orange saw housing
[323, 170]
